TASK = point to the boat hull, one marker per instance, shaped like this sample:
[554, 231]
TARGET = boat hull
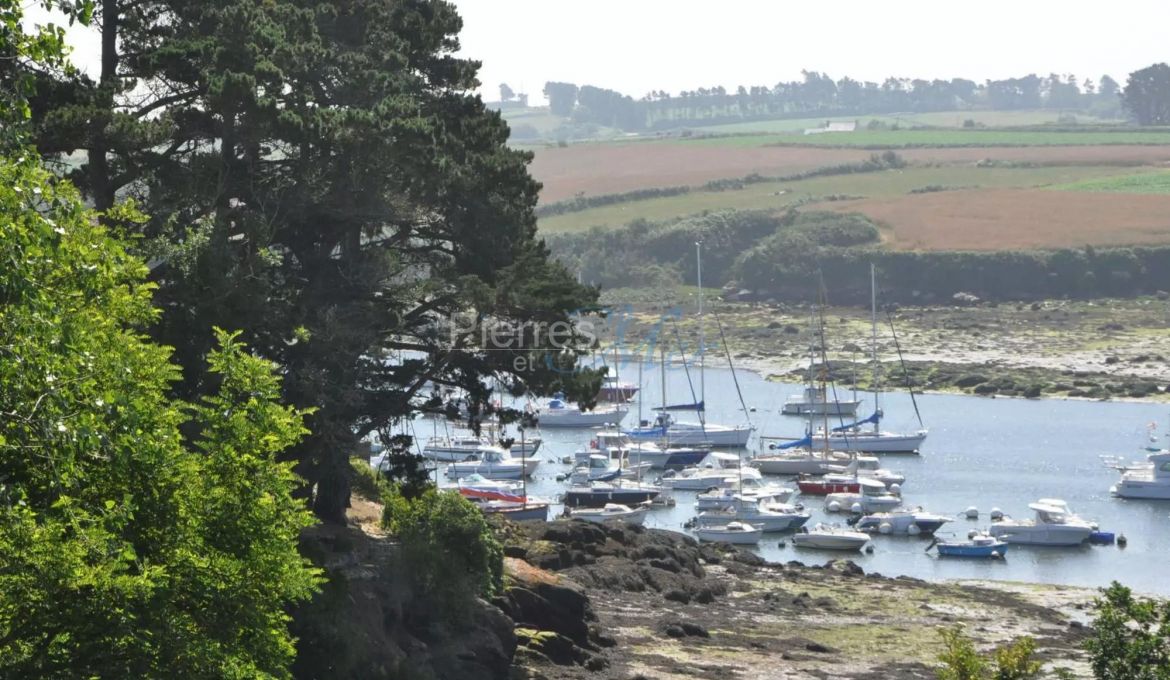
[633, 517]
[818, 487]
[765, 522]
[830, 541]
[795, 466]
[820, 408]
[598, 499]
[1056, 535]
[867, 442]
[721, 535]
[581, 419]
[523, 513]
[966, 550]
[730, 437]
[1143, 490]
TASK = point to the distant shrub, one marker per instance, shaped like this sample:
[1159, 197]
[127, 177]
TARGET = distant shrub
[1130, 637]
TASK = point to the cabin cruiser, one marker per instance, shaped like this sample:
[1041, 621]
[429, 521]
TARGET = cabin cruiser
[504, 498]
[739, 533]
[902, 521]
[597, 494]
[493, 463]
[613, 390]
[826, 537]
[598, 468]
[815, 402]
[559, 413]
[640, 452]
[1054, 524]
[1146, 481]
[872, 496]
[666, 428]
[764, 516]
[716, 470]
[748, 488]
[611, 512]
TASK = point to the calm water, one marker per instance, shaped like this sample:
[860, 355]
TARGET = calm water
[983, 452]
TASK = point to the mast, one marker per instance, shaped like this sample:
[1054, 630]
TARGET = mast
[877, 379]
[524, 467]
[661, 420]
[702, 341]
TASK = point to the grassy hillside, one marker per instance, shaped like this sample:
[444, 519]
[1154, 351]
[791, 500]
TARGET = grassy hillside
[947, 137]
[1153, 182]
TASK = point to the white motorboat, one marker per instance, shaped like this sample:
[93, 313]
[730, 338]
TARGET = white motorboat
[493, 463]
[531, 510]
[750, 489]
[477, 486]
[646, 452]
[1151, 481]
[798, 461]
[716, 470]
[1054, 524]
[815, 402]
[611, 512]
[764, 516]
[598, 468]
[871, 467]
[872, 496]
[559, 413]
[452, 449]
[739, 533]
[826, 537]
[902, 521]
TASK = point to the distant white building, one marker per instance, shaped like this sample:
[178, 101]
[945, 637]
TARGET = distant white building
[849, 126]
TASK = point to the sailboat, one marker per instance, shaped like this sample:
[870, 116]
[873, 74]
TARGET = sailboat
[731, 527]
[853, 436]
[666, 428]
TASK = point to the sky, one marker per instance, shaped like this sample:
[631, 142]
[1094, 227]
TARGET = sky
[635, 46]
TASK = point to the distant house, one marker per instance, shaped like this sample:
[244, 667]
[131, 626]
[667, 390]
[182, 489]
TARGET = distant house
[849, 126]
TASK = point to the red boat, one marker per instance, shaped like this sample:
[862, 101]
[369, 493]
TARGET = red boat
[827, 484]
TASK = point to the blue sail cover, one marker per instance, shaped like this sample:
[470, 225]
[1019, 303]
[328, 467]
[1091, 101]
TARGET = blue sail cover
[807, 441]
[701, 406]
[877, 416]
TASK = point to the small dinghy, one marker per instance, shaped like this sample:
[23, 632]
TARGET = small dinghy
[828, 537]
[740, 533]
[979, 545]
[611, 511]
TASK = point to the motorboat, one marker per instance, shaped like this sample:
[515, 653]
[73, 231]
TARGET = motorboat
[494, 463]
[598, 468]
[1151, 481]
[748, 489]
[478, 487]
[979, 545]
[717, 469]
[739, 533]
[871, 467]
[453, 449]
[597, 494]
[828, 537]
[872, 496]
[902, 521]
[611, 512]
[1054, 524]
[666, 428]
[815, 402]
[559, 413]
[764, 516]
[642, 452]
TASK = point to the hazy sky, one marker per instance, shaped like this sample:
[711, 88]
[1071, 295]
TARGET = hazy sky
[640, 45]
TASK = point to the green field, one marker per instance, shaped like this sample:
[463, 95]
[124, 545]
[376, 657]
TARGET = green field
[895, 139]
[1154, 182]
[954, 119]
[775, 195]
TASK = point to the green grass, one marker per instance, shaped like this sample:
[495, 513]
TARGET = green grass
[1156, 182]
[895, 139]
[954, 119]
[777, 195]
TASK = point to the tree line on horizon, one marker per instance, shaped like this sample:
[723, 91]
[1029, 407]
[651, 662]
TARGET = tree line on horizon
[1145, 98]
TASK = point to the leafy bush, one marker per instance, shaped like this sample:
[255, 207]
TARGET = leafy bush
[1012, 661]
[1131, 637]
[447, 544]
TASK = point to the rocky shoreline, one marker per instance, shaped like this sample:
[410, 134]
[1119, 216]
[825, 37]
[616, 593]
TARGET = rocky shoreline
[625, 602]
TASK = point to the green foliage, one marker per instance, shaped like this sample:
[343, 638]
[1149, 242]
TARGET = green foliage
[139, 536]
[959, 658]
[365, 480]
[1147, 95]
[1130, 637]
[1012, 661]
[449, 548]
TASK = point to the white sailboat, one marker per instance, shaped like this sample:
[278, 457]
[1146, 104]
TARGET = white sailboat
[853, 437]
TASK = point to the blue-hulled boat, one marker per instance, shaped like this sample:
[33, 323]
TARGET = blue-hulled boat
[979, 545]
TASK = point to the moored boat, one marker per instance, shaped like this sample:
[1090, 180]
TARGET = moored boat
[739, 533]
[559, 413]
[826, 537]
[902, 521]
[611, 512]
[1054, 524]
[597, 494]
[980, 545]
[1150, 481]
